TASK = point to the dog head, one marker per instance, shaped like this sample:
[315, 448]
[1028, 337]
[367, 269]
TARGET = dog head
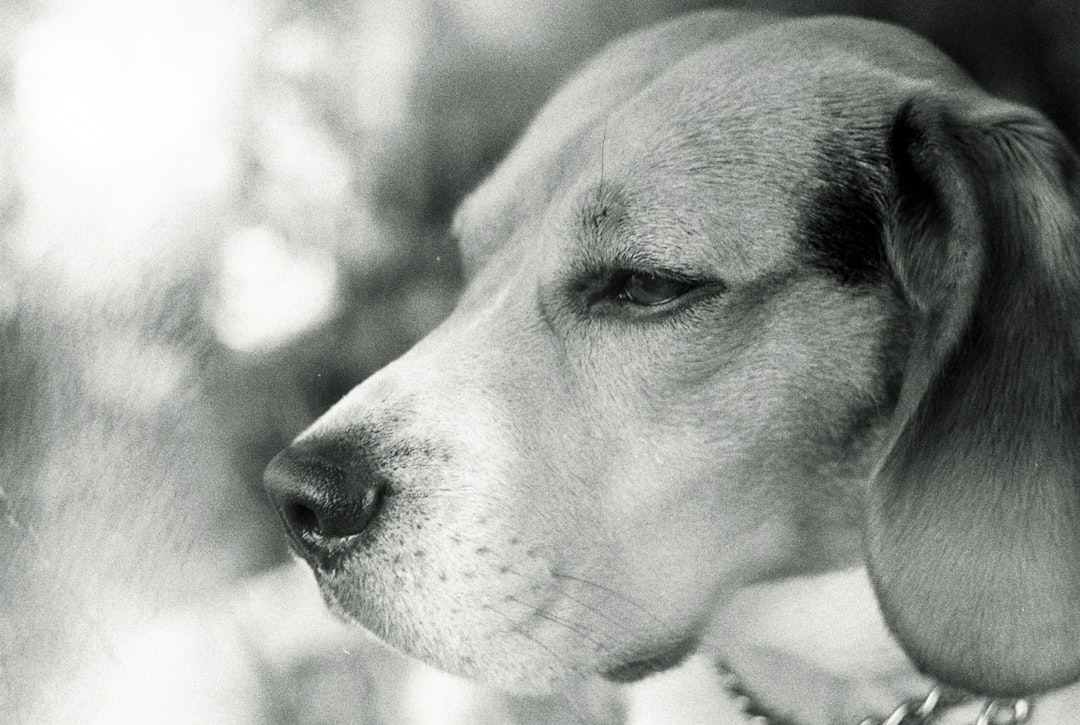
[749, 298]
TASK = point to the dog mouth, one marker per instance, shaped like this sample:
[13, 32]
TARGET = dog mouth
[522, 655]
[639, 668]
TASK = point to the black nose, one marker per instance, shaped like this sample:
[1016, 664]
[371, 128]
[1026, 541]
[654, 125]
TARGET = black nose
[324, 490]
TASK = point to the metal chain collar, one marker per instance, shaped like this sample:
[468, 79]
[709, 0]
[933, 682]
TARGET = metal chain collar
[995, 711]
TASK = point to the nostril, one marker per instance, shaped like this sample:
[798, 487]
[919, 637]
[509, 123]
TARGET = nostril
[302, 519]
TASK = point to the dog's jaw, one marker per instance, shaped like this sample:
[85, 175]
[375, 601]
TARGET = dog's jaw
[460, 568]
[494, 609]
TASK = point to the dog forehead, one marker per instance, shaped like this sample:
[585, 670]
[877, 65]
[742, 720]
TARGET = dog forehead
[661, 165]
[489, 214]
[738, 113]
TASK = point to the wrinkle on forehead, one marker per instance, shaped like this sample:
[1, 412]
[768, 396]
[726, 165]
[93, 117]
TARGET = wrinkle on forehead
[608, 81]
[622, 227]
[674, 202]
[720, 146]
[651, 170]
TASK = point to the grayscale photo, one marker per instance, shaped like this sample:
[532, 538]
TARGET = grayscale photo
[539, 362]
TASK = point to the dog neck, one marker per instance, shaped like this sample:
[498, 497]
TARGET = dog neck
[814, 650]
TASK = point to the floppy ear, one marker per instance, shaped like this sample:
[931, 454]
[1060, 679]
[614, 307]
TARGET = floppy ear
[973, 530]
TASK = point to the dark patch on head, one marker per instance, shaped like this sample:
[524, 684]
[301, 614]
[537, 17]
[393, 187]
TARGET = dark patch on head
[1068, 165]
[841, 220]
[917, 200]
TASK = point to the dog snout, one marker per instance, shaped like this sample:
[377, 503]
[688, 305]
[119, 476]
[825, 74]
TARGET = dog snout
[324, 492]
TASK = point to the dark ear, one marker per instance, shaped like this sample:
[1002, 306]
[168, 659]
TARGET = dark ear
[973, 533]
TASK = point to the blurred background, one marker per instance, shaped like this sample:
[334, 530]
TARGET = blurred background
[216, 218]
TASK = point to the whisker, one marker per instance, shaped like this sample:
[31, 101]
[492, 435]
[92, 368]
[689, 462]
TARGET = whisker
[578, 629]
[617, 594]
[603, 150]
[572, 703]
[517, 628]
[577, 600]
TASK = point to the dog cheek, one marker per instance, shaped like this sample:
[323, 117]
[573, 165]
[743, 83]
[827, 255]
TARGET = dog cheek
[462, 606]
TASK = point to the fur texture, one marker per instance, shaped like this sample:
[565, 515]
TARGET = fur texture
[863, 350]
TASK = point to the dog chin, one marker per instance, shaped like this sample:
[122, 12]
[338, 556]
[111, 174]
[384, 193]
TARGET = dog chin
[506, 665]
[455, 631]
[504, 660]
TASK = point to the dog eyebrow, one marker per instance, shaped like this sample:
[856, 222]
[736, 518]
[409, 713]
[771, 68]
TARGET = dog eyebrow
[600, 210]
[601, 213]
[637, 257]
[611, 237]
[614, 234]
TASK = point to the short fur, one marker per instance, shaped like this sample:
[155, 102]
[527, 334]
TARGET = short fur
[873, 368]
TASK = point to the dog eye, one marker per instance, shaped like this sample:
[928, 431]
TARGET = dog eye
[650, 290]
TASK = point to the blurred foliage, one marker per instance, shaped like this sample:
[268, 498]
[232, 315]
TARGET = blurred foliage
[215, 219]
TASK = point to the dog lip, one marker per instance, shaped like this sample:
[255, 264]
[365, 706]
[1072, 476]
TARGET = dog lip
[653, 663]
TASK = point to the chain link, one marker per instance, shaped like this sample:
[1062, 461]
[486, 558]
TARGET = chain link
[994, 712]
[998, 711]
[912, 712]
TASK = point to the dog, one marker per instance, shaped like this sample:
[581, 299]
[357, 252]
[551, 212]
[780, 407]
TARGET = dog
[769, 354]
